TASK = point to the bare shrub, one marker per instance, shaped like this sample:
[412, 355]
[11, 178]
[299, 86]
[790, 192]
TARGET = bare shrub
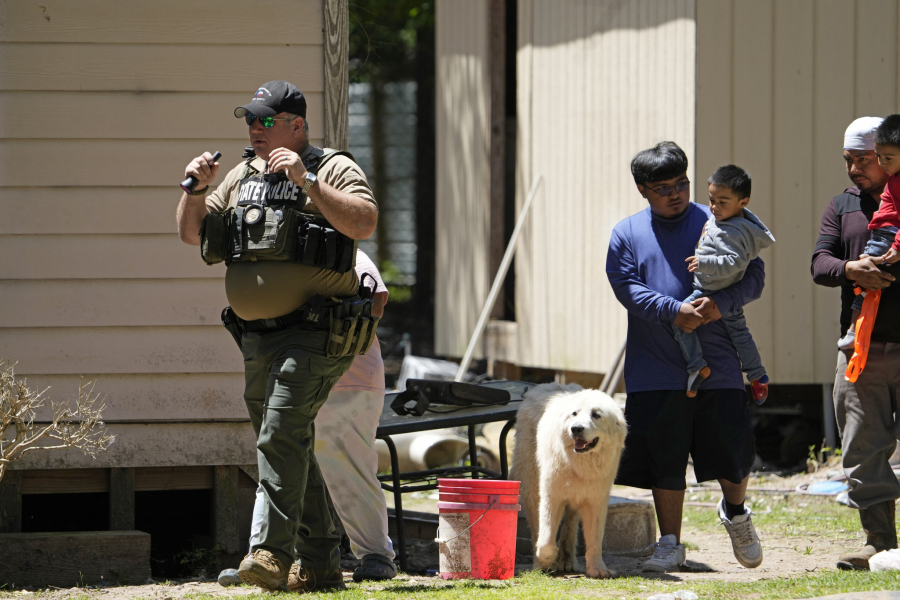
[81, 427]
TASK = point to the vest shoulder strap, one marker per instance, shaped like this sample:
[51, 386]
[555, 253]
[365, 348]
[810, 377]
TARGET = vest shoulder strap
[328, 154]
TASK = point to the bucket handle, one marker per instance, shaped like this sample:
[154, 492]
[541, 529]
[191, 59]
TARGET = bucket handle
[494, 501]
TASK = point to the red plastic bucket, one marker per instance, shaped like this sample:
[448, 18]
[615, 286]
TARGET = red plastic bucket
[477, 528]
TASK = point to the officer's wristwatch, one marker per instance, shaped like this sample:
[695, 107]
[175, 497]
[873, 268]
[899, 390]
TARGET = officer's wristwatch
[309, 181]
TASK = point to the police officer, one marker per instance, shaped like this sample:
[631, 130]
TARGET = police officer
[287, 241]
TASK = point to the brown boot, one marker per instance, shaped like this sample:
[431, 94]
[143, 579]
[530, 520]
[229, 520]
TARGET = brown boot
[263, 569]
[302, 580]
[881, 534]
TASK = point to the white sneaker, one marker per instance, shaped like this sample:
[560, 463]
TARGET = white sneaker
[668, 555]
[744, 541]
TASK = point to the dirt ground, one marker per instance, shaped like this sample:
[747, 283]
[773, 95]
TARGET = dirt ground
[789, 550]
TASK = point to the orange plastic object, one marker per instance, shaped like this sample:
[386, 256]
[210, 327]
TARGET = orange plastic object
[863, 334]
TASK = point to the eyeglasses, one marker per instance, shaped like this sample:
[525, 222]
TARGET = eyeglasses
[681, 186]
[265, 121]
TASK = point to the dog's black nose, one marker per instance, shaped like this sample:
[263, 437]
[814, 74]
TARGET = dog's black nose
[577, 429]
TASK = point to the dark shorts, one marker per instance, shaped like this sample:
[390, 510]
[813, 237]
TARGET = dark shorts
[664, 427]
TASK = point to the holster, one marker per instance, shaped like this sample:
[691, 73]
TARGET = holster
[234, 325]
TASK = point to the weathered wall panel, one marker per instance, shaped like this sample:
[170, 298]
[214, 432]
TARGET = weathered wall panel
[100, 110]
[597, 82]
[790, 78]
[463, 167]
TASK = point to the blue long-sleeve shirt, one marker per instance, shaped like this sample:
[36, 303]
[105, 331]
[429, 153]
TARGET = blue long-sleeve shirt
[648, 273]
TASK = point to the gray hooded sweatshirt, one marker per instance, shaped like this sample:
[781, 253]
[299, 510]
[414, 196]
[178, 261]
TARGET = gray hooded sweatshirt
[725, 248]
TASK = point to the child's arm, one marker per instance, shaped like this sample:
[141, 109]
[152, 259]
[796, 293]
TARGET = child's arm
[730, 258]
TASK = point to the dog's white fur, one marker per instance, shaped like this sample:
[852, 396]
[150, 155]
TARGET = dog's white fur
[559, 482]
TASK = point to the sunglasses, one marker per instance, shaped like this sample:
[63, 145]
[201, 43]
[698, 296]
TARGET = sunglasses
[681, 186]
[265, 121]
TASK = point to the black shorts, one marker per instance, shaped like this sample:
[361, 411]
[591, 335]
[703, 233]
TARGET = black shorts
[664, 427]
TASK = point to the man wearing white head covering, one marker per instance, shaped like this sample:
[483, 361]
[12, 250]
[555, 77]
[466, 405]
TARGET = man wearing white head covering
[865, 409]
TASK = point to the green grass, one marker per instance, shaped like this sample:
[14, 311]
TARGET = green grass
[788, 515]
[538, 585]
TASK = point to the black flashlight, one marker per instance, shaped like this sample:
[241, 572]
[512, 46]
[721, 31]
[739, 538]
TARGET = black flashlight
[190, 184]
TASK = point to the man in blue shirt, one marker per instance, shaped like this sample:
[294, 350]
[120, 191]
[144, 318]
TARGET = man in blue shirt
[648, 273]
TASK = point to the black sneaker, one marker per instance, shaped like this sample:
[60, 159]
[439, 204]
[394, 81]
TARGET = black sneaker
[375, 567]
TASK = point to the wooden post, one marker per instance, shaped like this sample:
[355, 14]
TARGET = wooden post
[337, 82]
[226, 529]
[121, 499]
[11, 502]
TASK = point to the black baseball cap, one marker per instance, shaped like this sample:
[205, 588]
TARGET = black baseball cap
[272, 98]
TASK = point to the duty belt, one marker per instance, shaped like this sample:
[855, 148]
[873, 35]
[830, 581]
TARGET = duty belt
[349, 322]
[304, 316]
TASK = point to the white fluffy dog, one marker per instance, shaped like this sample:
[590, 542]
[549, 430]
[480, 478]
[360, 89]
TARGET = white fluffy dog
[568, 444]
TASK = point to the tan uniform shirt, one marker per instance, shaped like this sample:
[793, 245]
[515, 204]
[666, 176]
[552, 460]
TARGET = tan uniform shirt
[268, 289]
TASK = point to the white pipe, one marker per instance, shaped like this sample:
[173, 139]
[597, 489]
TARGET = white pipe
[498, 282]
[608, 378]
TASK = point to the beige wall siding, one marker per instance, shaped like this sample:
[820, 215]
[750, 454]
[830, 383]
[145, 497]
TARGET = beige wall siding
[777, 84]
[102, 104]
[597, 82]
[463, 172]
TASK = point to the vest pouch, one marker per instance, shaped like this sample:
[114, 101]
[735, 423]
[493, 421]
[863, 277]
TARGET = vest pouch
[269, 238]
[214, 237]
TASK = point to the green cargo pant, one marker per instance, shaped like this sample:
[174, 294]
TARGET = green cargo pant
[287, 380]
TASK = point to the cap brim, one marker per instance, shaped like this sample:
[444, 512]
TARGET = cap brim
[259, 109]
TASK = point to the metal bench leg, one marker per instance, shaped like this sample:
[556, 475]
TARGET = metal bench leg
[504, 461]
[398, 502]
[473, 452]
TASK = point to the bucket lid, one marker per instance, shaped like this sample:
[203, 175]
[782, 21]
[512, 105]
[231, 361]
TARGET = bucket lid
[477, 506]
[478, 483]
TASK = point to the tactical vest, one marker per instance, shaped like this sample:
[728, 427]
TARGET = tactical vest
[268, 223]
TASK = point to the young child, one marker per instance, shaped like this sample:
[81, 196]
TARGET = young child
[731, 238]
[885, 223]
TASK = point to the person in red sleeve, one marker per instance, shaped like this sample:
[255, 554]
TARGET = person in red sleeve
[884, 245]
[865, 410]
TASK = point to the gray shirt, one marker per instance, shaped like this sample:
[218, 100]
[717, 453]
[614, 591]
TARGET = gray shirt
[725, 248]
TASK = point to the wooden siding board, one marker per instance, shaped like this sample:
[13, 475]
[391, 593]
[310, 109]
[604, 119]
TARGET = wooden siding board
[715, 82]
[156, 256]
[101, 86]
[112, 303]
[162, 22]
[525, 170]
[158, 445]
[90, 162]
[136, 115]
[753, 145]
[87, 210]
[793, 135]
[600, 66]
[51, 351]
[876, 57]
[337, 82]
[463, 185]
[153, 396]
[148, 67]
[832, 112]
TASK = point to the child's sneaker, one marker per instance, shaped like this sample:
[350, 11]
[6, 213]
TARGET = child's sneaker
[848, 341]
[759, 389]
[694, 381]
